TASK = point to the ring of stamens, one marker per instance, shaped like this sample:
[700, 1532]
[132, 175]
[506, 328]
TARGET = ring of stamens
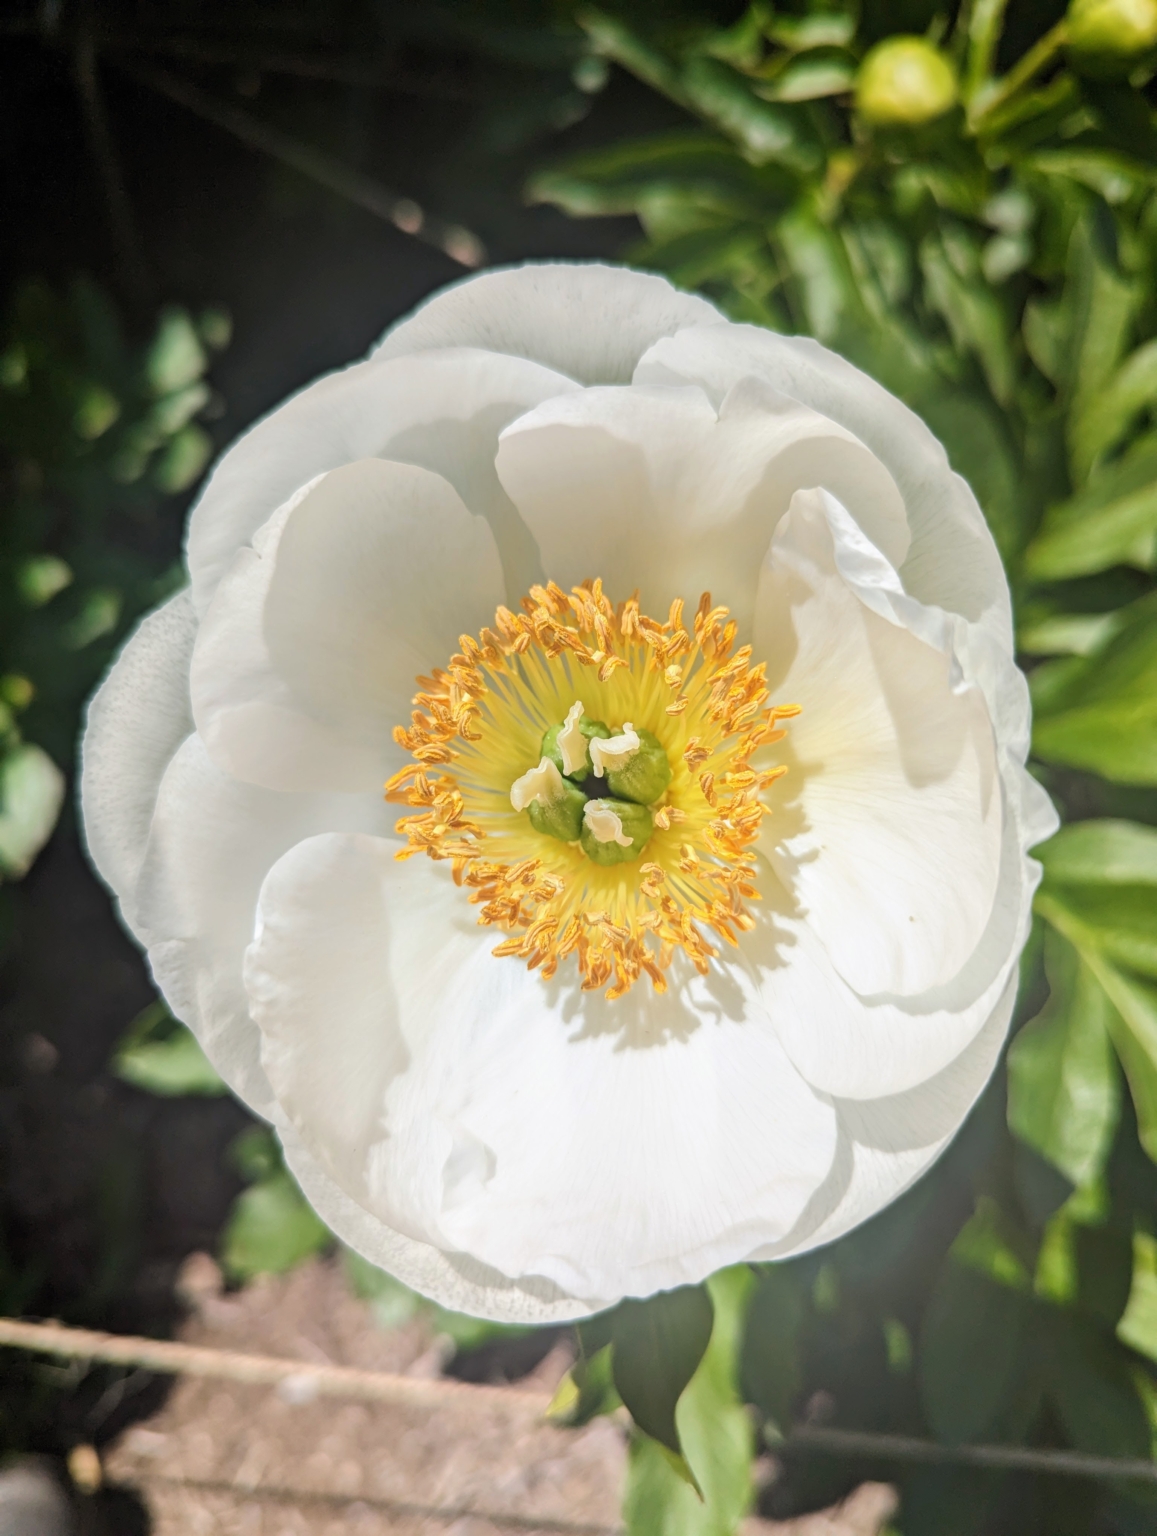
[478, 724]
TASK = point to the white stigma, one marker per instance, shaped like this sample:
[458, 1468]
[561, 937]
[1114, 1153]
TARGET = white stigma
[571, 741]
[615, 751]
[603, 825]
[543, 784]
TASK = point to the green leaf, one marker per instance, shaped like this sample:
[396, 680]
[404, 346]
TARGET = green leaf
[973, 1347]
[658, 1344]
[1100, 712]
[1112, 521]
[270, 1229]
[1063, 1089]
[1138, 1325]
[175, 358]
[163, 1057]
[987, 1245]
[1091, 1387]
[1104, 419]
[586, 1390]
[1132, 1019]
[974, 315]
[767, 131]
[1104, 1261]
[1101, 853]
[715, 1431]
[771, 1346]
[31, 794]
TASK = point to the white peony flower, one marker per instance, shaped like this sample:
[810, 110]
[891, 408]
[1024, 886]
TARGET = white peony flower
[723, 997]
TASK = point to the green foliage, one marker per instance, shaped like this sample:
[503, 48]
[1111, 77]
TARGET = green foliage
[94, 433]
[163, 1057]
[271, 1228]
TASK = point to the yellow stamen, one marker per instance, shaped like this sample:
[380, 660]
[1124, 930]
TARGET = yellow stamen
[478, 724]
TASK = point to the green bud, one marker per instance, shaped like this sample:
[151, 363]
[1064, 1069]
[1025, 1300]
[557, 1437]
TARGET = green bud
[561, 818]
[645, 776]
[904, 81]
[635, 822]
[589, 729]
[1119, 28]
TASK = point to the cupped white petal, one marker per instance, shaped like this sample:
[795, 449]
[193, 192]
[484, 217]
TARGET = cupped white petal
[886, 1144]
[442, 411]
[211, 842]
[589, 321]
[887, 828]
[952, 562]
[655, 490]
[308, 654]
[610, 1148]
[136, 720]
[861, 1048]
[453, 1280]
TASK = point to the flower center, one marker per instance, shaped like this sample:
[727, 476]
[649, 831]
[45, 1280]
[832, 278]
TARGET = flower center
[588, 772]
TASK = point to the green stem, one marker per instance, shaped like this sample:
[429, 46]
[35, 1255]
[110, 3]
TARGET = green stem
[1042, 52]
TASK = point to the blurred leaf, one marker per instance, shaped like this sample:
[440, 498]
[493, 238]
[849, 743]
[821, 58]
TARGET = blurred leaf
[1092, 1387]
[163, 1057]
[270, 1229]
[1138, 1325]
[972, 1350]
[658, 1344]
[1067, 634]
[176, 357]
[96, 411]
[587, 1389]
[767, 131]
[1103, 420]
[714, 1430]
[392, 1303]
[183, 460]
[1104, 1261]
[1100, 712]
[1101, 853]
[41, 578]
[810, 78]
[1132, 1018]
[771, 1346]
[31, 794]
[1063, 1090]
[973, 315]
[986, 1245]
[1113, 521]
[99, 615]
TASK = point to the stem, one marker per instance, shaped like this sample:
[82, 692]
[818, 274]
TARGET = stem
[1042, 52]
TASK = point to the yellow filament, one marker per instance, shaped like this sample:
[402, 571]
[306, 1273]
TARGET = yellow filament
[478, 725]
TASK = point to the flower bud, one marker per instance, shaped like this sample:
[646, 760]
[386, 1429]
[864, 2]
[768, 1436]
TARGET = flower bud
[645, 776]
[905, 80]
[561, 817]
[1112, 27]
[615, 831]
[588, 728]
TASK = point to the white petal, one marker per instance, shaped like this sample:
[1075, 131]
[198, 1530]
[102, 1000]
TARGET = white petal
[589, 321]
[887, 1143]
[612, 1148]
[136, 720]
[442, 411]
[453, 1280]
[887, 827]
[865, 1048]
[953, 562]
[211, 843]
[650, 488]
[309, 651]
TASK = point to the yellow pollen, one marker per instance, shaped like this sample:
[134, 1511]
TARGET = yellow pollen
[477, 728]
